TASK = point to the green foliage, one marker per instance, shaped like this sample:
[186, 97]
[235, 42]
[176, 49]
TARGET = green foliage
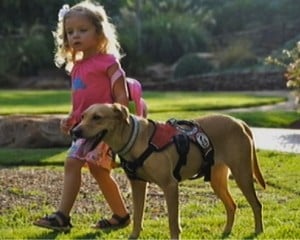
[159, 34]
[191, 64]
[237, 55]
[234, 16]
[149, 31]
[289, 60]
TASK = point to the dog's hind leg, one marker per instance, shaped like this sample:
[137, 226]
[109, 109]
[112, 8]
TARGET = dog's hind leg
[219, 177]
[244, 179]
[172, 199]
[138, 196]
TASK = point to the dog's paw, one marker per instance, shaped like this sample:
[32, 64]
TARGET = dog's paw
[133, 236]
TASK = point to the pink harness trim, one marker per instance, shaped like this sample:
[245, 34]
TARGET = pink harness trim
[163, 135]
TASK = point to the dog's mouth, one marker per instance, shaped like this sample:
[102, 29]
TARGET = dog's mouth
[93, 141]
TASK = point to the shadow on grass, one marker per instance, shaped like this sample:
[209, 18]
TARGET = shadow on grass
[47, 235]
[56, 234]
[92, 235]
[285, 188]
[10, 157]
[251, 236]
[35, 164]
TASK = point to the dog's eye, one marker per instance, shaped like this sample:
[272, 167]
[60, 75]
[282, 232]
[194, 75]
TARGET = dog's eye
[96, 117]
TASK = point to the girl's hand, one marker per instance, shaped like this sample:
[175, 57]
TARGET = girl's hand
[67, 124]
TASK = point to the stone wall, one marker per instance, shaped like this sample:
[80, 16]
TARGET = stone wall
[32, 132]
[245, 81]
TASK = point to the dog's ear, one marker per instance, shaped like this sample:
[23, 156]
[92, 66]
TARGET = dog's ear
[122, 112]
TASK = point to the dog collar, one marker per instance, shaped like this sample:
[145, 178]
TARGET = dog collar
[133, 136]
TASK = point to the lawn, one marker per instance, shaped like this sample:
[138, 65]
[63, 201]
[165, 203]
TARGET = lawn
[28, 192]
[31, 179]
[162, 105]
[58, 101]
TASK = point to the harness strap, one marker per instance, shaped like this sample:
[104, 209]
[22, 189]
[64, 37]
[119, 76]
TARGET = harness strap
[131, 167]
[207, 165]
[182, 144]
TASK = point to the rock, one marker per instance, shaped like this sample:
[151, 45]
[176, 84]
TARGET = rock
[158, 72]
[32, 132]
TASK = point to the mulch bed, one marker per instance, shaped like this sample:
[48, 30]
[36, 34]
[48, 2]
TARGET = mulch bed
[36, 187]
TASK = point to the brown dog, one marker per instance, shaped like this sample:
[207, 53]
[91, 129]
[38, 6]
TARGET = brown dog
[129, 136]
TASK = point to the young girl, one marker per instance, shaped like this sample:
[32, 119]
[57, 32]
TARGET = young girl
[87, 46]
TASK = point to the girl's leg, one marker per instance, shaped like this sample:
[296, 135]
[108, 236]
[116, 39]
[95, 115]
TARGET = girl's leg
[60, 220]
[72, 182]
[110, 190]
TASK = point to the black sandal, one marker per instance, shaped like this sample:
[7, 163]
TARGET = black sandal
[104, 224]
[56, 221]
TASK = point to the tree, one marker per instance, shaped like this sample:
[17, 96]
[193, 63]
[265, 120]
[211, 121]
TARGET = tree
[289, 60]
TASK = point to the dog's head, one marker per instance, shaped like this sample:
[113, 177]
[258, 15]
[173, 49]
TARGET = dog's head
[99, 119]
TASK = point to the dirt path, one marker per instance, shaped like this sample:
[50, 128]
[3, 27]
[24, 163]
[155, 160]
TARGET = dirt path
[36, 187]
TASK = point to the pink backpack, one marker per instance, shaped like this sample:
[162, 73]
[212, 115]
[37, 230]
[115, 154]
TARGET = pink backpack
[135, 95]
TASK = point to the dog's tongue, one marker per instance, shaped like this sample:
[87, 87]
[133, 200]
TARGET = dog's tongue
[91, 143]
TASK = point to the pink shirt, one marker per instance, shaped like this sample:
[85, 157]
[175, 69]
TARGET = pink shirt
[91, 83]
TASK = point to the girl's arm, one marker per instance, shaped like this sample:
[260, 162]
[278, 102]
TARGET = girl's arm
[119, 87]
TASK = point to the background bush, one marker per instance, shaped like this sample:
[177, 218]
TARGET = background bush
[152, 31]
[191, 64]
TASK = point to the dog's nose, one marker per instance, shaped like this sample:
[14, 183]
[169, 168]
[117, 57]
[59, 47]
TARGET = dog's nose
[76, 133]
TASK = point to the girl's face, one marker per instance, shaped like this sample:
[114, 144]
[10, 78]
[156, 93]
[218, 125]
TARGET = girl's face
[81, 34]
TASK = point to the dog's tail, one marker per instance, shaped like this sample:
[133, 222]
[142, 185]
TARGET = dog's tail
[255, 167]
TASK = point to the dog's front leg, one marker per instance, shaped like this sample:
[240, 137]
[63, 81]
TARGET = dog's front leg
[138, 195]
[171, 195]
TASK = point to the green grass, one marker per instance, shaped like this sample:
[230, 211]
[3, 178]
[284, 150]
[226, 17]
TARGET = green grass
[32, 157]
[162, 105]
[58, 101]
[34, 102]
[203, 101]
[202, 214]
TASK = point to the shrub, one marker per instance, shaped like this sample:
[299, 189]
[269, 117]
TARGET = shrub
[191, 64]
[26, 53]
[290, 61]
[236, 55]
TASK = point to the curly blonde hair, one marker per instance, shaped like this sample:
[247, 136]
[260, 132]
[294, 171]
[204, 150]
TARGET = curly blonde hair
[108, 42]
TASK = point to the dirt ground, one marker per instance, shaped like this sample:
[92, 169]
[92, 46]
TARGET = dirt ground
[36, 187]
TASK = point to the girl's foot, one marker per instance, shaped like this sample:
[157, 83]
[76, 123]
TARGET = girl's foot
[56, 221]
[114, 223]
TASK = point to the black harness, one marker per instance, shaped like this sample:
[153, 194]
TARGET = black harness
[186, 132]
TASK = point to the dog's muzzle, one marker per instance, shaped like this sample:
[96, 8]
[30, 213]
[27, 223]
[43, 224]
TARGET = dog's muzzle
[78, 133]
